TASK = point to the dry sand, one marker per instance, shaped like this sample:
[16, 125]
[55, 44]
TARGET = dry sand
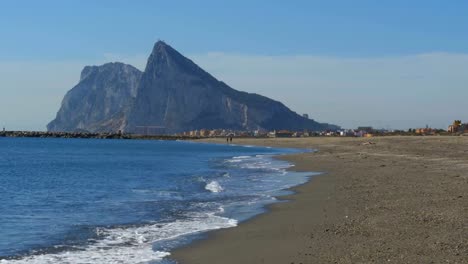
[400, 200]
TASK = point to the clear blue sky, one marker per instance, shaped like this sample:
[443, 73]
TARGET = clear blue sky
[351, 34]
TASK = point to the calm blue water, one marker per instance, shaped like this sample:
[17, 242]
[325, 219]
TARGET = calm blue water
[116, 201]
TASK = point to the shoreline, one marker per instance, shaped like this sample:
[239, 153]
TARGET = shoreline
[380, 200]
[244, 155]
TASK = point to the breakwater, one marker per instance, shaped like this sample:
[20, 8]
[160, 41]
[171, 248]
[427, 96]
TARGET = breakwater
[42, 134]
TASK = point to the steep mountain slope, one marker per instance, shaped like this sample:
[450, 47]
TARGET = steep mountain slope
[176, 94]
[100, 101]
[173, 95]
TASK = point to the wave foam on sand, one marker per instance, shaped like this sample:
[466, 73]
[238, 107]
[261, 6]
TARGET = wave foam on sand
[130, 244]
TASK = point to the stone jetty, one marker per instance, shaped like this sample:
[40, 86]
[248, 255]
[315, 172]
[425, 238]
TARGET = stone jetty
[41, 134]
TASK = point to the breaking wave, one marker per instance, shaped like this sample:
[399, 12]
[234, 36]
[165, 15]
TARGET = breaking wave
[129, 244]
[214, 187]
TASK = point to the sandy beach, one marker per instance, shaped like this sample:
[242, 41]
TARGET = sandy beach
[379, 200]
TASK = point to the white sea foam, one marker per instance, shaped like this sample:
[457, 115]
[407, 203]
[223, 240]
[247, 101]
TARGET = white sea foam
[242, 157]
[130, 244]
[260, 162]
[214, 187]
[238, 159]
[234, 160]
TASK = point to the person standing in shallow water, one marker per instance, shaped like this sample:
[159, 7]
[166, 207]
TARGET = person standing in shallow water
[230, 139]
[227, 139]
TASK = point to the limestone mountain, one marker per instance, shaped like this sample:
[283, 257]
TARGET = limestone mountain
[176, 94]
[173, 94]
[100, 101]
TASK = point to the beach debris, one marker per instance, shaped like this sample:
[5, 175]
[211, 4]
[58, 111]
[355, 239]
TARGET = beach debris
[368, 143]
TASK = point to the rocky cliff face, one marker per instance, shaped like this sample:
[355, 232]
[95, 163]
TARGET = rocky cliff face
[100, 101]
[176, 94]
[173, 94]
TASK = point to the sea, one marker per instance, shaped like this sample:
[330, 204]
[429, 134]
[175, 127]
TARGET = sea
[128, 201]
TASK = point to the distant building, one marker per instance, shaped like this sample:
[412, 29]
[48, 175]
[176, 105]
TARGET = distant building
[425, 131]
[359, 133]
[194, 133]
[204, 133]
[457, 126]
[284, 133]
[260, 133]
[215, 133]
[367, 129]
[298, 134]
[347, 133]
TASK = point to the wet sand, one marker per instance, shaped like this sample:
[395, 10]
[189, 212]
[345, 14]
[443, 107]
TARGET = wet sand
[397, 200]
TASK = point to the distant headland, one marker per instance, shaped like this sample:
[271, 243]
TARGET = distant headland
[172, 95]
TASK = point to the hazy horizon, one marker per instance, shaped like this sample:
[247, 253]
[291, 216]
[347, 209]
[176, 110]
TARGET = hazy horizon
[397, 65]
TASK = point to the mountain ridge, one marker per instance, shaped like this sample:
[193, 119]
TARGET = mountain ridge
[174, 94]
[100, 100]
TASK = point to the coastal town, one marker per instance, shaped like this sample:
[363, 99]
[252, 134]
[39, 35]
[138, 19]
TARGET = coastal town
[457, 128]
